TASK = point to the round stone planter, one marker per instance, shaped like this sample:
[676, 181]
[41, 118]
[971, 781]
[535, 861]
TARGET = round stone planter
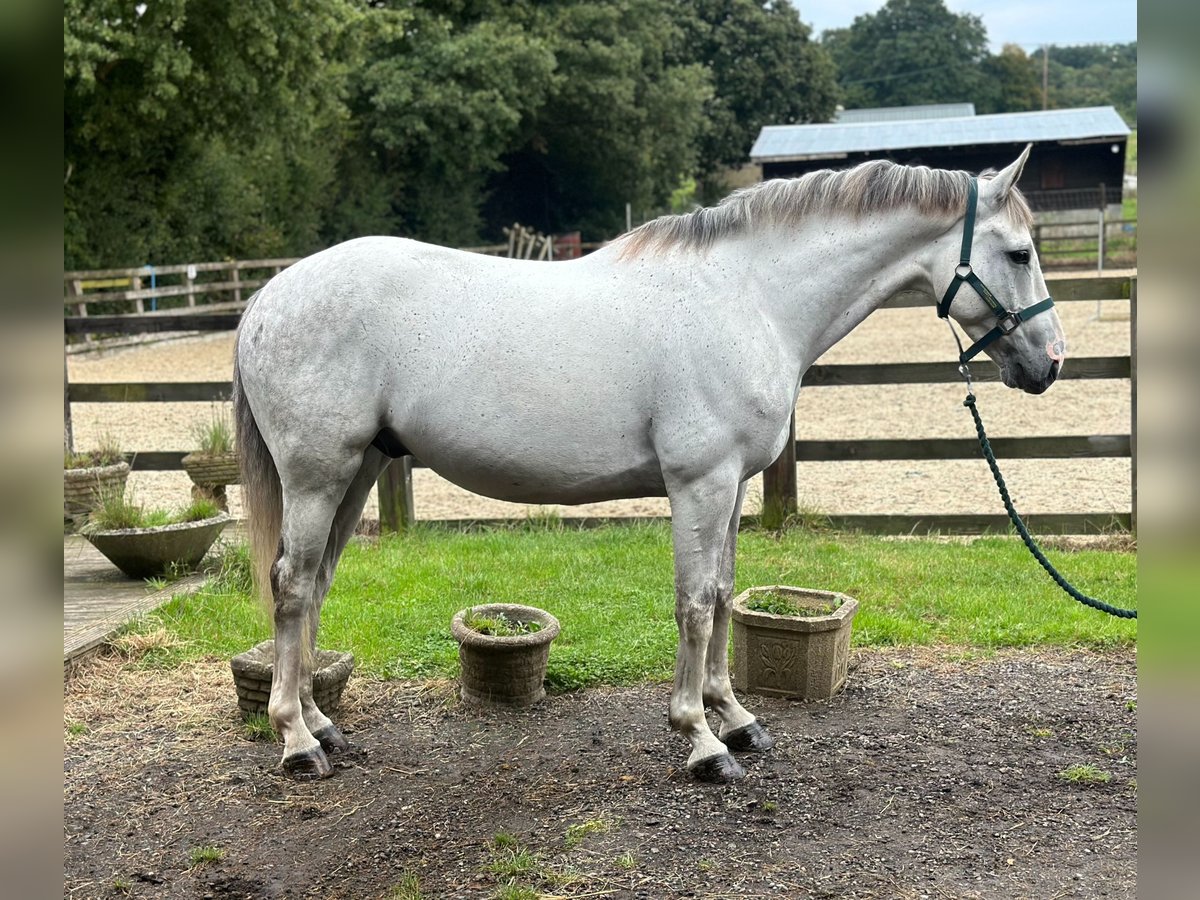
[504, 671]
[253, 670]
[83, 488]
[210, 473]
[164, 550]
[800, 657]
[220, 468]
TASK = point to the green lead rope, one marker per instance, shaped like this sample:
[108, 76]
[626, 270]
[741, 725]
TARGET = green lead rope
[969, 403]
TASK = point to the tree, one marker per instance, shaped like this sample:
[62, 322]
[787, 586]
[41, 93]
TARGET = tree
[621, 122]
[1012, 83]
[1093, 75]
[765, 71]
[196, 127]
[909, 53]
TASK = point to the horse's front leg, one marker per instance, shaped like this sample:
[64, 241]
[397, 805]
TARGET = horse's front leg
[700, 515]
[739, 729]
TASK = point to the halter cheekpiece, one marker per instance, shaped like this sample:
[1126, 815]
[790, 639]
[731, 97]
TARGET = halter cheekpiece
[1009, 320]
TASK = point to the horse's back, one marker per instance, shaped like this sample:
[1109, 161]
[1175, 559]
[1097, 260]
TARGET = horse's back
[518, 379]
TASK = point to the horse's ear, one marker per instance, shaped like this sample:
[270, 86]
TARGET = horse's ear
[998, 187]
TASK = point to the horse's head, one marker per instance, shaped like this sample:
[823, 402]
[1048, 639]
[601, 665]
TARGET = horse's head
[1029, 347]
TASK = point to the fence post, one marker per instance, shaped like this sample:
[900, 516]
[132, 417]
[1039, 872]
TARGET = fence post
[190, 274]
[779, 484]
[1100, 244]
[1133, 385]
[135, 282]
[68, 429]
[237, 281]
[396, 510]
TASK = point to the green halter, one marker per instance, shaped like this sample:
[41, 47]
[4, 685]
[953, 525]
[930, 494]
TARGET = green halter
[1009, 320]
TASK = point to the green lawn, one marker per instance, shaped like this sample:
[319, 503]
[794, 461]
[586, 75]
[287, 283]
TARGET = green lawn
[610, 587]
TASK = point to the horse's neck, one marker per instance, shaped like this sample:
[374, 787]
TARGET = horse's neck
[824, 278]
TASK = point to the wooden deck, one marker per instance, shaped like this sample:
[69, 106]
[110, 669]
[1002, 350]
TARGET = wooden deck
[98, 599]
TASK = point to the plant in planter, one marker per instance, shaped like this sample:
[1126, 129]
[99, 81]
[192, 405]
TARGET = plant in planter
[149, 543]
[214, 464]
[503, 649]
[90, 474]
[791, 642]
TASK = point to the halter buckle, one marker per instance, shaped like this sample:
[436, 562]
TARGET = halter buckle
[1009, 323]
[962, 270]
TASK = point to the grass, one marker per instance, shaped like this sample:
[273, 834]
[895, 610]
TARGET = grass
[499, 625]
[611, 588]
[206, 854]
[513, 863]
[778, 604]
[409, 888]
[578, 832]
[117, 510]
[107, 453]
[216, 436]
[626, 862]
[1085, 774]
[258, 728]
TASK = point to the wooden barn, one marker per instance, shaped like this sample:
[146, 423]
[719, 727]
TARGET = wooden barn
[1078, 159]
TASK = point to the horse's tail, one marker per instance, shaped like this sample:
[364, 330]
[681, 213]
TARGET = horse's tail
[262, 492]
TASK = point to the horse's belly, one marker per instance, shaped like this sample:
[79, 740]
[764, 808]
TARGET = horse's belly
[543, 471]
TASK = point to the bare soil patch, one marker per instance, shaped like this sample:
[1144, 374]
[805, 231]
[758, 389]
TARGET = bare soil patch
[935, 774]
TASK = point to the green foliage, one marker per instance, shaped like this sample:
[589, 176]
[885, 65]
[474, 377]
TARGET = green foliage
[206, 854]
[258, 728]
[116, 510]
[214, 437]
[392, 601]
[499, 625]
[765, 70]
[1085, 774]
[107, 453]
[778, 604]
[409, 888]
[1092, 75]
[909, 52]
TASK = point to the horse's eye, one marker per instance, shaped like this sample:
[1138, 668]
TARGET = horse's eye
[1020, 257]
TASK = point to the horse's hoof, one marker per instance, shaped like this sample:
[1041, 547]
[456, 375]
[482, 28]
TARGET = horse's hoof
[332, 740]
[308, 765]
[719, 769]
[752, 737]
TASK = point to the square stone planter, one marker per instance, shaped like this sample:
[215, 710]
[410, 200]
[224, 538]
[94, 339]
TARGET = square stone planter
[800, 657]
[254, 669]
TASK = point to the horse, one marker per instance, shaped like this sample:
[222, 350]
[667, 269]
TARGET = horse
[666, 363]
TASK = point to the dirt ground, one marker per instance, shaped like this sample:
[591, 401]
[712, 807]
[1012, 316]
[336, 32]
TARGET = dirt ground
[848, 413]
[935, 774]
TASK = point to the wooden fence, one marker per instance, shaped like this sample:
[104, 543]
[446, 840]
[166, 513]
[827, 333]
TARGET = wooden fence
[779, 481]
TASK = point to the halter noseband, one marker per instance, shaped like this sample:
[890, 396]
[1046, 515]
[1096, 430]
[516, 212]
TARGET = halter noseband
[1009, 320]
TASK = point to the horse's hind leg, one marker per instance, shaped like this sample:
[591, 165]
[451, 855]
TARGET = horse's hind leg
[739, 729]
[309, 506]
[344, 523]
[700, 515]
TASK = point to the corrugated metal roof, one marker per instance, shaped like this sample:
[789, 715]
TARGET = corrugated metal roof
[904, 113]
[784, 142]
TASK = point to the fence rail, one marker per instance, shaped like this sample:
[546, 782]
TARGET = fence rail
[779, 491]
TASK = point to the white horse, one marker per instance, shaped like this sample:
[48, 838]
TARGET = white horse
[667, 363]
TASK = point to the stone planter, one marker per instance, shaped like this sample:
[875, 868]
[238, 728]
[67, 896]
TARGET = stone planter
[210, 473]
[504, 671]
[253, 670]
[82, 488]
[163, 550]
[804, 657]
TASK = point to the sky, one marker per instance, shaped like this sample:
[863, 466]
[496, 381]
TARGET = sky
[1029, 23]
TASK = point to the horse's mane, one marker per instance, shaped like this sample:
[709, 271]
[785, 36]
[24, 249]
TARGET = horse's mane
[875, 186]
